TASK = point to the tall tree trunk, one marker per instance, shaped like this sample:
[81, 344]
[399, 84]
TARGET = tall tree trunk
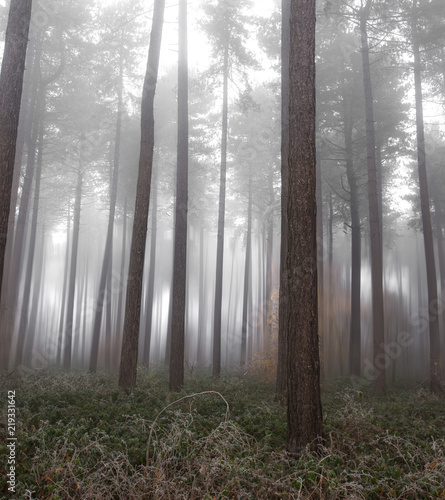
[11, 84]
[435, 382]
[355, 323]
[35, 302]
[64, 287]
[151, 272]
[121, 297]
[304, 416]
[180, 249]
[217, 313]
[201, 348]
[320, 266]
[24, 314]
[247, 275]
[69, 320]
[284, 298]
[129, 354]
[8, 286]
[378, 322]
[268, 273]
[104, 291]
[31, 136]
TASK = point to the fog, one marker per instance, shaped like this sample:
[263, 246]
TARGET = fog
[85, 67]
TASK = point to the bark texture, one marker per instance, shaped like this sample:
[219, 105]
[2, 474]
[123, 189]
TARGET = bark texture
[304, 415]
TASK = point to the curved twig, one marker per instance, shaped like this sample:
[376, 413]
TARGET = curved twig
[147, 454]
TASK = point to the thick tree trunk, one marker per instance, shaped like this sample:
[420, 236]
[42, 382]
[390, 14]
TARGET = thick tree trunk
[11, 84]
[284, 299]
[304, 415]
[129, 355]
[435, 382]
[180, 249]
[378, 322]
[221, 218]
[355, 324]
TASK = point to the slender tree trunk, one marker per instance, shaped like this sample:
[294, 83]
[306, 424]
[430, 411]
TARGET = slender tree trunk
[221, 218]
[374, 217]
[201, 350]
[69, 321]
[24, 315]
[247, 274]
[35, 302]
[320, 267]
[435, 382]
[8, 286]
[11, 84]
[104, 291]
[355, 323]
[31, 137]
[121, 297]
[64, 287]
[284, 298]
[129, 355]
[269, 261]
[151, 273]
[180, 256]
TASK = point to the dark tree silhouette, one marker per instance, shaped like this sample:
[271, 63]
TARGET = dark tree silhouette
[283, 304]
[304, 415]
[180, 249]
[129, 353]
[378, 323]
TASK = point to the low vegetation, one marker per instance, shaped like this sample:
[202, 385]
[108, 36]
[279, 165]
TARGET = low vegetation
[80, 437]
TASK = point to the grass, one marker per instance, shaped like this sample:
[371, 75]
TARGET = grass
[80, 437]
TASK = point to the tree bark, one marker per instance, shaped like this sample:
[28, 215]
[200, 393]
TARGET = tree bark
[304, 414]
[129, 354]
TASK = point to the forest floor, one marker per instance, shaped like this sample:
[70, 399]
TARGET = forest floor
[80, 437]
